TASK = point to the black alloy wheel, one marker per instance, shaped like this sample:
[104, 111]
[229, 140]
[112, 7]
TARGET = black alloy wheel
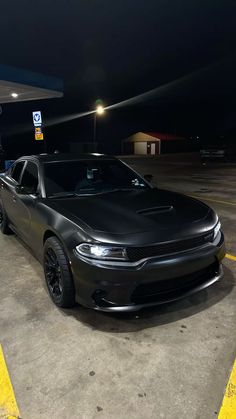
[57, 274]
[53, 273]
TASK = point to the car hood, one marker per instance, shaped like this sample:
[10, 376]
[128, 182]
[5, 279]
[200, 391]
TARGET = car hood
[154, 213]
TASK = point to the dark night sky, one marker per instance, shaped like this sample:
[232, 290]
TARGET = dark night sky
[116, 50]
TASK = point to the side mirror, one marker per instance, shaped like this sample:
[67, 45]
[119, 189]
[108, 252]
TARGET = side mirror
[148, 178]
[26, 190]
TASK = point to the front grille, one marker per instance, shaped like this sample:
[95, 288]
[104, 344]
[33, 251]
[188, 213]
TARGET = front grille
[138, 253]
[172, 288]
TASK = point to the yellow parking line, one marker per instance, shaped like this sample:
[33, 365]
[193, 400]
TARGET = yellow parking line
[8, 405]
[231, 257]
[218, 201]
[228, 408]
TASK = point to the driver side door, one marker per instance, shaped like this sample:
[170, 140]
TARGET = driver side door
[24, 203]
[8, 189]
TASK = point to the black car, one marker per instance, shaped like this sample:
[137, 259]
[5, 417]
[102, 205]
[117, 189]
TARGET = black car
[218, 150]
[107, 238]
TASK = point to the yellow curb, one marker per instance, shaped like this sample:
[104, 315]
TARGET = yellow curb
[8, 404]
[228, 408]
[231, 257]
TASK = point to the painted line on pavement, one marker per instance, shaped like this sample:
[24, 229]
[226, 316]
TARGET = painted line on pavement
[228, 407]
[8, 404]
[231, 257]
[217, 201]
[201, 198]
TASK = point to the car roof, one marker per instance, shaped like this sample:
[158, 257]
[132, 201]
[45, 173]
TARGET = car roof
[57, 157]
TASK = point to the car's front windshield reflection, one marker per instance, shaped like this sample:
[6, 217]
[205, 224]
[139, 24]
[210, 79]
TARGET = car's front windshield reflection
[86, 177]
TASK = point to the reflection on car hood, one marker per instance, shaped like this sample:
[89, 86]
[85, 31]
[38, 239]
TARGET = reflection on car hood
[167, 214]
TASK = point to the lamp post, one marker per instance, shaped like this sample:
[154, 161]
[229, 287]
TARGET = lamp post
[99, 111]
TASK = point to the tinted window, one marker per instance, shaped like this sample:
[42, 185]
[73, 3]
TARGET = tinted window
[16, 171]
[91, 176]
[30, 176]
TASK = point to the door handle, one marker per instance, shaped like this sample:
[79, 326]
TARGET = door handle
[13, 199]
[2, 186]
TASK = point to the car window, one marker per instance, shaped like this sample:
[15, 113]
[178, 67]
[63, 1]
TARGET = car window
[16, 171]
[30, 176]
[92, 176]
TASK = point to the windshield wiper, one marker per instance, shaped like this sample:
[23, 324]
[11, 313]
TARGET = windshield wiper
[124, 189]
[112, 190]
[93, 191]
[63, 195]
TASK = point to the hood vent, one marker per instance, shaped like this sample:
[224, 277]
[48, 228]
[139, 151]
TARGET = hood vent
[155, 210]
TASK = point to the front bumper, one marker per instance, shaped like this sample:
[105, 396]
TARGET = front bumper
[155, 281]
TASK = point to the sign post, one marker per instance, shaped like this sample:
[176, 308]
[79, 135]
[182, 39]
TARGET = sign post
[38, 122]
[37, 119]
[39, 134]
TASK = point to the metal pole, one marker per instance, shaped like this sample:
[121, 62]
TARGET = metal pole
[94, 129]
[45, 144]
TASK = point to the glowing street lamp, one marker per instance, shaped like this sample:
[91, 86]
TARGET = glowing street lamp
[100, 110]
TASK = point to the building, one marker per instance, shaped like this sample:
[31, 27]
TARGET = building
[18, 85]
[154, 143]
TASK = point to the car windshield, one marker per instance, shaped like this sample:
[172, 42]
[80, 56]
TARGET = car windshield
[88, 177]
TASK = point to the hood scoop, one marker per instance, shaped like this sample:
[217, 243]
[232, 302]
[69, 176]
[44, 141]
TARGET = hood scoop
[155, 210]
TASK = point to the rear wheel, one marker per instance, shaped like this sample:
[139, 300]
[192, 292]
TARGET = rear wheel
[4, 227]
[58, 274]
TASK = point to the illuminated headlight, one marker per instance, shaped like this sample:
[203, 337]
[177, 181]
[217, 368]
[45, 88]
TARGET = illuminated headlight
[217, 229]
[102, 252]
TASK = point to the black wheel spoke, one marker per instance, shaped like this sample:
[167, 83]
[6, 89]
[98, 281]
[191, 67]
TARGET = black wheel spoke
[49, 263]
[56, 289]
[50, 278]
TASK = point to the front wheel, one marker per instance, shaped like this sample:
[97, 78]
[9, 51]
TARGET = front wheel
[58, 274]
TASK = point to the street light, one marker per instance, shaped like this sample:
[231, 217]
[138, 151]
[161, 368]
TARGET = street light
[99, 111]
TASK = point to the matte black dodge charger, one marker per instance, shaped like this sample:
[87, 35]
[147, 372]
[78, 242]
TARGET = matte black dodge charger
[106, 237]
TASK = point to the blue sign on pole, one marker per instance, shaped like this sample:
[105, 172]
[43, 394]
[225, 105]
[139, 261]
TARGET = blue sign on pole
[37, 118]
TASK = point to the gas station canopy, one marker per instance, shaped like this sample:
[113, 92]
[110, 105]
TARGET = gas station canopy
[17, 85]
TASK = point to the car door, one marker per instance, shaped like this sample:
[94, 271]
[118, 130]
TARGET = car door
[10, 181]
[25, 202]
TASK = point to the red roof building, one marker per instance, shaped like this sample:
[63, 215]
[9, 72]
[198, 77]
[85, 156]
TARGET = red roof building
[154, 143]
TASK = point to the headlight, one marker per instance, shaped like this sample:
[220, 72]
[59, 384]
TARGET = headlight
[102, 252]
[217, 229]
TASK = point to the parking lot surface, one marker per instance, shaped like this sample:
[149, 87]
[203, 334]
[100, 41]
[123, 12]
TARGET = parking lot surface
[166, 362]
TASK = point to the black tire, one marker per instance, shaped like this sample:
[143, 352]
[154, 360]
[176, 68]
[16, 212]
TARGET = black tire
[58, 274]
[4, 227]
